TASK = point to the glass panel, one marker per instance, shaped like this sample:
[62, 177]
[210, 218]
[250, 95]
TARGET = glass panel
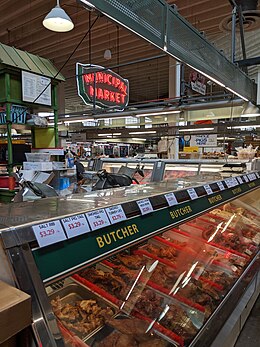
[162, 292]
[174, 171]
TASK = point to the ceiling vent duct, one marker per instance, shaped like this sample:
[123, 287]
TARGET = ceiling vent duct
[251, 16]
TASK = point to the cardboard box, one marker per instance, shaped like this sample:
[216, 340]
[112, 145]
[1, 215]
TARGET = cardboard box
[37, 166]
[15, 311]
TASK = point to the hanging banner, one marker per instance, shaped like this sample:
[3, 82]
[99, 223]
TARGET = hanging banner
[101, 87]
[198, 82]
[18, 114]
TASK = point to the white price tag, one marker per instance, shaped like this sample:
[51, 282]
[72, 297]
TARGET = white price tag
[192, 193]
[116, 214]
[257, 175]
[253, 176]
[49, 233]
[75, 225]
[235, 182]
[171, 199]
[239, 180]
[229, 182]
[145, 206]
[220, 185]
[208, 189]
[246, 178]
[97, 219]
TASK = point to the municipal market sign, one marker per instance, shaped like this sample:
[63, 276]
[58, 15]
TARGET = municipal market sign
[102, 87]
[18, 114]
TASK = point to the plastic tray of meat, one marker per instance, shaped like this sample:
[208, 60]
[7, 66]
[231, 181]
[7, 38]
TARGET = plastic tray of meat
[80, 310]
[126, 331]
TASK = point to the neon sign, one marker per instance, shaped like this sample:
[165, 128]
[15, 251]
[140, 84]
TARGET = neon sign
[102, 87]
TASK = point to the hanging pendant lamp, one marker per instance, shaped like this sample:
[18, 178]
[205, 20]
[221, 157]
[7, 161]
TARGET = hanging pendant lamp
[58, 20]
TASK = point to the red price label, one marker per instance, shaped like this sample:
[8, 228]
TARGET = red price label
[97, 219]
[75, 225]
[49, 233]
[115, 214]
[145, 206]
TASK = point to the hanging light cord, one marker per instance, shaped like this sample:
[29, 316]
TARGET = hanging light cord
[65, 63]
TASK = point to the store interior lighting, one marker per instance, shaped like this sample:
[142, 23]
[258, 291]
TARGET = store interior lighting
[197, 129]
[138, 139]
[142, 132]
[57, 20]
[244, 127]
[161, 113]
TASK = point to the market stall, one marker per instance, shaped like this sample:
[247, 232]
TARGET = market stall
[155, 265]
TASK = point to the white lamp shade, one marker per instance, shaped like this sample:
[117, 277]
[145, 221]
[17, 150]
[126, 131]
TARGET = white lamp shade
[58, 20]
[107, 54]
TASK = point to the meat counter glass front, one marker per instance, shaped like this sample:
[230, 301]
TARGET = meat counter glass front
[165, 290]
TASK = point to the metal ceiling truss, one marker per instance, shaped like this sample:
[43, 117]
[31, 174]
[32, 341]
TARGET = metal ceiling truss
[164, 27]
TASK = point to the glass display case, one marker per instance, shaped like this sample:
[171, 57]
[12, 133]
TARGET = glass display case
[152, 265]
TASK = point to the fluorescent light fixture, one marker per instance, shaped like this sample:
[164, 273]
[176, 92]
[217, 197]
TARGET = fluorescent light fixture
[74, 121]
[51, 117]
[110, 134]
[243, 127]
[111, 118]
[160, 113]
[116, 134]
[197, 129]
[58, 20]
[232, 91]
[249, 115]
[142, 132]
[226, 138]
[59, 123]
[45, 114]
[138, 139]
[67, 116]
[104, 134]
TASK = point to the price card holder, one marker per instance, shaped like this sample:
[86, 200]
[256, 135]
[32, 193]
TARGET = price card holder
[229, 182]
[145, 206]
[192, 193]
[245, 178]
[97, 219]
[221, 185]
[250, 177]
[48, 233]
[240, 181]
[208, 189]
[171, 199]
[116, 214]
[253, 176]
[75, 225]
[257, 175]
[235, 182]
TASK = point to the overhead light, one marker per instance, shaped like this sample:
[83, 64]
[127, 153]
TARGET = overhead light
[74, 121]
[45, 114]
[51, 124]
[232, 91]
[197, 129]
[142, 132]
[67, 116]
[243, 127]
[58, 20]
[225, 138]
[51, 117]
[107, 54]
[138, 139]
[116, 134]
[249, 115]
[157, 113]
[104, 134]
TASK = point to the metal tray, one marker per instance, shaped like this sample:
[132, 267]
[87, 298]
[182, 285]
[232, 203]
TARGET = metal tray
[74, 292]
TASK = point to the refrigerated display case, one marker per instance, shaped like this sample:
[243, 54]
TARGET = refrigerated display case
[157, 265]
